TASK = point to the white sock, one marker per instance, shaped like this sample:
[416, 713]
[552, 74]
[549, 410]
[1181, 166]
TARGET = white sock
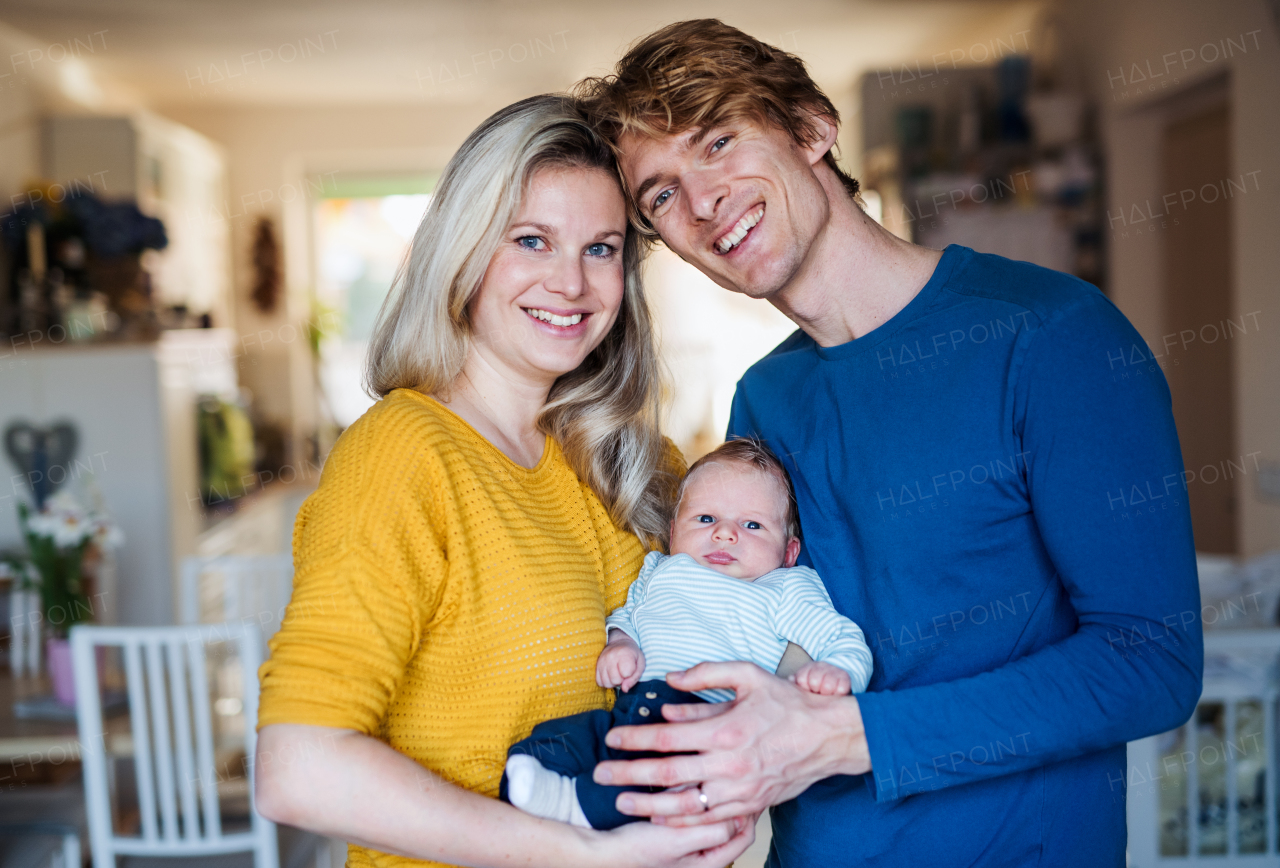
[542, 792]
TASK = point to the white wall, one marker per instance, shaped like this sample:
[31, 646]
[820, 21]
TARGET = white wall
[111, 395]
[19, 142]
[134, 406]
[278, 160]
[1107, 39]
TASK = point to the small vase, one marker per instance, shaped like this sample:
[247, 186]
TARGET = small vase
[58, 659]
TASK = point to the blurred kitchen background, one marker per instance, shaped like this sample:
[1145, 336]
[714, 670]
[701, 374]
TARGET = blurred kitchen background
[203, 204]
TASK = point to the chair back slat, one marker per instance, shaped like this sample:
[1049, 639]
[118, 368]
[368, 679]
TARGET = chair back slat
[204, 739]
[139, 718]
[250, 661]
[162, 750]
[89, 723]
[184, 750]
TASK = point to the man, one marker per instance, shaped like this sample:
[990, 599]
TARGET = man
[967, 465]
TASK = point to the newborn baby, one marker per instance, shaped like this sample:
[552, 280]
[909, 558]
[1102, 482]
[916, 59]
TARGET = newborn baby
[730, 590]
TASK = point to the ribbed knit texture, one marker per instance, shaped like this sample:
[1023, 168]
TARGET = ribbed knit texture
[446, 599]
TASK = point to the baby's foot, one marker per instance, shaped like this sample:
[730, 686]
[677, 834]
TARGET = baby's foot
[542, 792]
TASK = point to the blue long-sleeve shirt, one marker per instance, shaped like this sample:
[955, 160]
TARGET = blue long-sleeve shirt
[990, 484]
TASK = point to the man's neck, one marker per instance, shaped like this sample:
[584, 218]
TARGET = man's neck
[856, 277]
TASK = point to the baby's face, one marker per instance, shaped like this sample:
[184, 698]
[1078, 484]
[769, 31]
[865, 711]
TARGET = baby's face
[732, 519]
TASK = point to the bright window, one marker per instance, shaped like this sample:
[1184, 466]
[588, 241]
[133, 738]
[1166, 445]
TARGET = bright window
[360, 243]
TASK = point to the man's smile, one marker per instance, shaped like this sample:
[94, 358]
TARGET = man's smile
[731, 239]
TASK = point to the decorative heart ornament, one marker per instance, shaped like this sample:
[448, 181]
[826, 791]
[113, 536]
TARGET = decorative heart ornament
[42, 454]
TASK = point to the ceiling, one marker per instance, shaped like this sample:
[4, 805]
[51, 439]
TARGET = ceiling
[227, 53]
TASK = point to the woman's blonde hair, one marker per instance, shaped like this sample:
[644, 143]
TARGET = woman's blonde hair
[604, 415]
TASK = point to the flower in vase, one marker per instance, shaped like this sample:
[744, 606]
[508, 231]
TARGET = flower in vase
[58, 536]
[64, 521]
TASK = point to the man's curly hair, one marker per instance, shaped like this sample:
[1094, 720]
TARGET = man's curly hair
[696, 74]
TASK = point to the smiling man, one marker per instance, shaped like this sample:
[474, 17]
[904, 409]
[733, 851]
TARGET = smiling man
[965, 462]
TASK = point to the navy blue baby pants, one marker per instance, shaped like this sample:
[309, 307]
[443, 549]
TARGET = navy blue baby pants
[573, 745]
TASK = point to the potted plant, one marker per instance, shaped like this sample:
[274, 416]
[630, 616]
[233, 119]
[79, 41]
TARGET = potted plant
[59, 537]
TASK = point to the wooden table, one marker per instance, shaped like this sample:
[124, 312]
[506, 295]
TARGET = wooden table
[31, 742]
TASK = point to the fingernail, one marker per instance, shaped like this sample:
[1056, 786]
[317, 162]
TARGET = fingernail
[603, 775]
[626, 804]
[613, 740]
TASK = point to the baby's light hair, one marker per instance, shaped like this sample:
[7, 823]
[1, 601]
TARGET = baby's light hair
[751, 451]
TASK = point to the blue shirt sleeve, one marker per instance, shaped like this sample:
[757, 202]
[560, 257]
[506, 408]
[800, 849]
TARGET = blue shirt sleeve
[1094, 443]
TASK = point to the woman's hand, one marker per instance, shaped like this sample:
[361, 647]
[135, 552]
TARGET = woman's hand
[621, 663]
[822, 679]
[645, 845]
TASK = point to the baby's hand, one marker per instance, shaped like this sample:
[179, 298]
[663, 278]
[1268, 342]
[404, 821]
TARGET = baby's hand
[621, 663]
[822, 678]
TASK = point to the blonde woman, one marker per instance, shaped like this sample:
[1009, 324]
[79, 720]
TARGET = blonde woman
[474, 528]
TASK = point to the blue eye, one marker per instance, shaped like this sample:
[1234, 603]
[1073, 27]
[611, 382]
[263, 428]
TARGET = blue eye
[600, 249]
[661, 199]
[706, 519]
[753, 525]
[532, 242]
[720, 143]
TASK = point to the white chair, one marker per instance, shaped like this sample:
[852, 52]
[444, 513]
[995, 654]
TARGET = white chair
[1206, 793]
[250, 588]
[168, 674]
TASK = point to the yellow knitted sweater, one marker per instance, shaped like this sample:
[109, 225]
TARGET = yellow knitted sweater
[446, 599]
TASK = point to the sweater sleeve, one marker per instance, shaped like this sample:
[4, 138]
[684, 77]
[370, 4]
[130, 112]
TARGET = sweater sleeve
[807, 617]
[1096, 444]
[369, 576]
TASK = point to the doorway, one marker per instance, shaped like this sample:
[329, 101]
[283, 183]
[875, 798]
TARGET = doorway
[1198, 280]
[362, 234]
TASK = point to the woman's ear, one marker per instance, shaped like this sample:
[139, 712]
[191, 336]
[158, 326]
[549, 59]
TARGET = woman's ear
[792, 553]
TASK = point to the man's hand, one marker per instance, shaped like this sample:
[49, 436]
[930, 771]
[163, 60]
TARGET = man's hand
[823, 679]
[766, 746]
[621, 663]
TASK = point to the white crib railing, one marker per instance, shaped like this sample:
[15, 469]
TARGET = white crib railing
[1205, 794]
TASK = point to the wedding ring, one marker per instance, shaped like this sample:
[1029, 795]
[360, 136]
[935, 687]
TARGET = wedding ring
[702, 797]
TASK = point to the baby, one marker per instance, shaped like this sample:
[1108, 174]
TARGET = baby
[730, 590]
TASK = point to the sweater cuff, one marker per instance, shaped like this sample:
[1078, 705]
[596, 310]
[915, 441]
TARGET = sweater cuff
[882, 780]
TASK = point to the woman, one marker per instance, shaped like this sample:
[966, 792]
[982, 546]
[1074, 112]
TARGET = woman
[473, 529]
